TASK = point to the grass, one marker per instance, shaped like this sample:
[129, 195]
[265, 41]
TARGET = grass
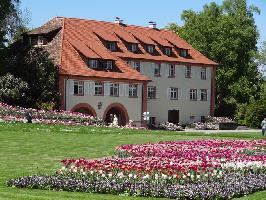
[27, 149]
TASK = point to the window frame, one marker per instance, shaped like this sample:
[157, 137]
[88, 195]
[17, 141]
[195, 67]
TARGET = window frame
[92, 63]
[133, 90]
[173, 91]
[114, 87]
[168, 51]
[183, 53]
[79, 89]
[112, 46]
[188, 72]
[40, 41]
[193, 95]
[136, 65]
[203, 73]
[99, 85]
[151, 90]
[171, 73]
[150, 48]
[130, 47]
[109, 62]
[203, 93]
[159, 69]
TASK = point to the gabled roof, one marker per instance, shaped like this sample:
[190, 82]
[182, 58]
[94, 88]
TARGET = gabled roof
[84, 38]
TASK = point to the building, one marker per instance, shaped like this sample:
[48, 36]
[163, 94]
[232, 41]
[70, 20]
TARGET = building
[113, 68]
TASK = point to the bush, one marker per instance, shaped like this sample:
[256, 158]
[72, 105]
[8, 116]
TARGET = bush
[12, 90]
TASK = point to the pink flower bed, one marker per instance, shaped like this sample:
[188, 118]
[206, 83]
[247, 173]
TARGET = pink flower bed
[178, 159]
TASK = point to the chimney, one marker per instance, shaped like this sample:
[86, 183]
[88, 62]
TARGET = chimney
[152, 25]
[118, 20]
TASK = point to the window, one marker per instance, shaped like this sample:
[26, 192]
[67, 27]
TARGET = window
[150, 49]
[40, 40]
[157, 69]
[152, 121]
[78, 87]
[188, 72]
[98, 89]
[171, 70]
[111, 46]
[109, 64]
[174, 93]
[203, 95]
[183, 53]
[114, 89]
[202, 118]
[136, 65]
[132, 47]
[93, 64]
[29, 40]
[168, 51]
[193, 94]
[151, 92]
[203, 73]
[133, 90]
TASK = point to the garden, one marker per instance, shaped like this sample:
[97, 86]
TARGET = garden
[189, 169]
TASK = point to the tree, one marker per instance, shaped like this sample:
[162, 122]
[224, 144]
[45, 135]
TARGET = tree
[228, 35]
[33, 65]
[12, 90]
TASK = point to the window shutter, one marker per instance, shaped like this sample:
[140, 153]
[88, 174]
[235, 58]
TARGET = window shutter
[180, 93]
[92, 89]
[208, 72]
[86, 87]
[157, 93]
[140, 67]
[167, 68]
[168, 93]
[126, 89]
[208, 95]
[139, 90]
[198, 95]
[184, 71]
[106, 89]
[121, 90]
[188, 94]
[71, 87]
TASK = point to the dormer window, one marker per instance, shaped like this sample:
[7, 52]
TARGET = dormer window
[168, 51]
[93, 63]
[111, 46]
[40, 40]
[132, 47]
[136, 65]
[150, 49]
[109, 65]
[183, 53]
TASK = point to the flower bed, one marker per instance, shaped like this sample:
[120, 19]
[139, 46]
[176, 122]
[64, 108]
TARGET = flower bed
[17, 114]
[202, 169]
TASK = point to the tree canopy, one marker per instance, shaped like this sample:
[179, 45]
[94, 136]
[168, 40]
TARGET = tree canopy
[227, 34]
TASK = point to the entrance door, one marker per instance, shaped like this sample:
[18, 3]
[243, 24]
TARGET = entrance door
[173, 116]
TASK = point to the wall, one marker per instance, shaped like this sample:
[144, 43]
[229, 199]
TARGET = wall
[159, 107]
[133, 105]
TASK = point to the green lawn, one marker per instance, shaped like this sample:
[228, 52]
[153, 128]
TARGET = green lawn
[27, 149]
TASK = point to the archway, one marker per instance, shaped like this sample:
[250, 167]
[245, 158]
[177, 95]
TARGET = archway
[84, 108]
[116, 109]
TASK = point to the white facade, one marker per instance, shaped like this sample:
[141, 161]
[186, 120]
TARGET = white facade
[189, 110]
[133, 105]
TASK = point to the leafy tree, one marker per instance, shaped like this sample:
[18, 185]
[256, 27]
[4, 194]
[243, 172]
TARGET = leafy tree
[12, 90]
[35, 67]
[228, 35]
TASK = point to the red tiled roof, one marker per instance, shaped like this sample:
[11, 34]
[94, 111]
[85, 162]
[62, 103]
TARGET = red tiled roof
[82, 48]
[82, 36]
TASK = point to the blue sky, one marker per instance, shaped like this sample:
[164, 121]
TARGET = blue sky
[138, 12]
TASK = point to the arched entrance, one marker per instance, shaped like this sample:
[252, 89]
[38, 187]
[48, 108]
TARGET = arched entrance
[84, 108]
[116, 109]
